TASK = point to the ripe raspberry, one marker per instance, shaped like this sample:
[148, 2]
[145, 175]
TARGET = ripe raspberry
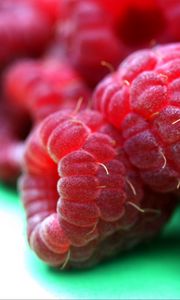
[78, 188]
[90, 33]
[46, 86]
[142, 100]
[23, 30]
[87, 36]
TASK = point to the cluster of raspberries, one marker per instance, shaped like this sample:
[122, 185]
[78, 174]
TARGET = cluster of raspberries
[98, 157]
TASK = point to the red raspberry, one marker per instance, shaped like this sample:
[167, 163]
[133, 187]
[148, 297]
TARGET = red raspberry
[46, 86]
[23, 30]
[90, 33]
[78, 188]
[142, 100]
[87, 36]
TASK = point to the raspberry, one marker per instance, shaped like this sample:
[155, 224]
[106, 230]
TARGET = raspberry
[18, 20]
[46, 86]
[88, 39]
[142, 100]
[95, 32]
[79, 189]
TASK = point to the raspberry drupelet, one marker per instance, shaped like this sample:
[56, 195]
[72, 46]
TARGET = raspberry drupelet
[46, 85]
[148, 225]
[142, 100]
[79, 191]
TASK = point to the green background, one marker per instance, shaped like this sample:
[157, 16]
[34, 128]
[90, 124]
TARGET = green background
[148, 272]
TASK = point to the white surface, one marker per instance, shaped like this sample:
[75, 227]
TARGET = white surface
[15, 280]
